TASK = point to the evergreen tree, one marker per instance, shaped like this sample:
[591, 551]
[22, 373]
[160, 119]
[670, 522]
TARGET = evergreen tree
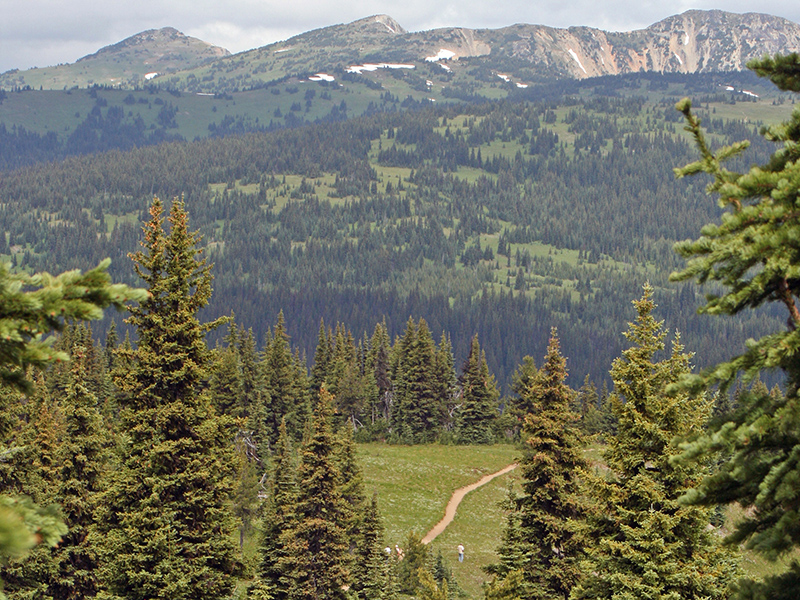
[542, 536]
[245, 500]
[275, 566]
[36, 467]
[226, 386]
[378, 363]
[286, 397]
[252, 381]
[647, 544]
[414, 563]
[351, 489]
[82, 457]
[316, 545]
[417, 410]
[371, 566]
[319, 371]
[479, 400]
[429, 589]
[167, 522]
[754, 255]
[32, 306]
[445, 383]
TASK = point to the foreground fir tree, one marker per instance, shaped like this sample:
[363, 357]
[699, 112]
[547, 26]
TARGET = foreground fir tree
[542, 534]
[647, 545]
[755, 255]
[167, 525]
[31, 306]
[417, 410]
[351, 488]
[371, 572]
[287, 394]
[316, 545]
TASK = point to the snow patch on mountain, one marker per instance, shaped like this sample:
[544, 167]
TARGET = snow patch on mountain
[374, 67]
[576, 59]
[441, 55]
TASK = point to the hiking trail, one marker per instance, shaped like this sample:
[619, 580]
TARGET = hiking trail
[456, 499]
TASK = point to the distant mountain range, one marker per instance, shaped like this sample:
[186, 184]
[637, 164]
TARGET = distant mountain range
[693, 42]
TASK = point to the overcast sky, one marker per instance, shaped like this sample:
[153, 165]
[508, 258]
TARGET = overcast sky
[47, 32]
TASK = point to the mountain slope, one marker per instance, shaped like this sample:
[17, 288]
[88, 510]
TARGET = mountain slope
[695, 41]
[126, 63]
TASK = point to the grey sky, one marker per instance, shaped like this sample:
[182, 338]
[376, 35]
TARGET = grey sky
[47, 32]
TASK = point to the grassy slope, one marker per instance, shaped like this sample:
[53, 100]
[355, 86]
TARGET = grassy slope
[414, 484]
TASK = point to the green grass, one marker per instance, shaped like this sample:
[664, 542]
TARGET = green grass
[414, 484]
[478, 525]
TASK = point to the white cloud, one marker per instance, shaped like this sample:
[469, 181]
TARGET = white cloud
[237, 38]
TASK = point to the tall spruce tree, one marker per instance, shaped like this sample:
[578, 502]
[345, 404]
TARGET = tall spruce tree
[371, 571]
[378, 362]
[646, 544]
[319, 370]
[167, 521]
[542, 533]
[479, 400]
[446, 383]
[286, 396]
[513, 550]
[351, 489]
[417, 410]
[316, 545]
[754, 255]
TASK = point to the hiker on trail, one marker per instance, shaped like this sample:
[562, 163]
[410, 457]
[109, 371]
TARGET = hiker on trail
[400, 554]
[460, 553]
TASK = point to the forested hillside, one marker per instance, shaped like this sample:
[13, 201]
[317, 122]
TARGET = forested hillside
[501, 219]
[285, 291]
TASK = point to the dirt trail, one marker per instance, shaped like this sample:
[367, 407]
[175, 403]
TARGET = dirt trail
[456, 499]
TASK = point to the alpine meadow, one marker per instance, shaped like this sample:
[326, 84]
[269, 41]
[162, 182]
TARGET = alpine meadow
[507, 314]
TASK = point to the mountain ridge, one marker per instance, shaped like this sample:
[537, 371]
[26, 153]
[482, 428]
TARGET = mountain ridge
[124, 63]
[695, 41]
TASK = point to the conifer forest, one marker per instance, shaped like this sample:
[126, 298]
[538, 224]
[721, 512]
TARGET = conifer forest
[604, 277]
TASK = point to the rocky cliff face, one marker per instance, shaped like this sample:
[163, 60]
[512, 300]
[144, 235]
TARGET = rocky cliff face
[692, 42]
